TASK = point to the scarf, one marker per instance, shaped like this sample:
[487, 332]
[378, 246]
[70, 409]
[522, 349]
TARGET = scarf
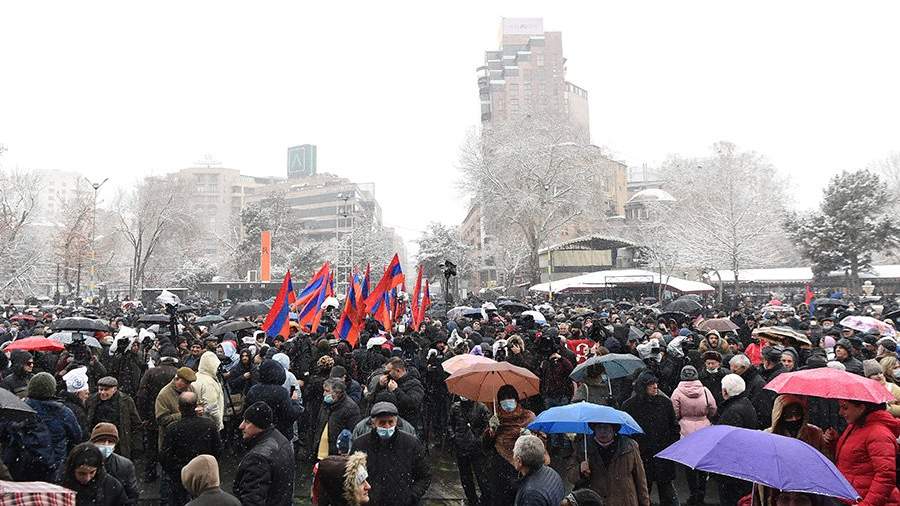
[511, 425]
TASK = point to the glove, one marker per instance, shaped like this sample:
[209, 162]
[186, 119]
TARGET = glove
[494, 422]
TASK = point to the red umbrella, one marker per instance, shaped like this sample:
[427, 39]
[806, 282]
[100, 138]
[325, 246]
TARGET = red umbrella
[26, 317]
[775, 302]
[480, 382]
[35, 343]
[830, 384]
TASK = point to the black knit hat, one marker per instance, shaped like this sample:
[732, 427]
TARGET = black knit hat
[260, 414]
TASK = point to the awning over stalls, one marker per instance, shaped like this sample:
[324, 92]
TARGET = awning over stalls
[622, 278]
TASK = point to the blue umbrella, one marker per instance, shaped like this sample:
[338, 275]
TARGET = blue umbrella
[779, 462]
[576, 417]
[617, 365]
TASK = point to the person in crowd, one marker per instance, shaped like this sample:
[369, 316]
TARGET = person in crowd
[656, 415]
[407, 389]
[338, 413]
[45, 440]
[866, 452]
[167, 409]
[152, 382]
[265, 475]
[192, 360]
[753, 381]
[872, 369]
[241, 376]
[583, 497]
[613, 468]
[200, 477]
[208, 388]
[342, 481]
[790, 359]
[468, 421]
[105, 437]
[540, 485]
[695, 406]
[499, 438]
[712, 373]
[86, 475]
[183, 440]
[437, 397]
[115, 407]
[399, 470]
[843, 353]
[354, 389]
[737, 411]
[75, 396]
[765, 399]
[595, 386]
[127, 366]
[285, 407]
[21, 365]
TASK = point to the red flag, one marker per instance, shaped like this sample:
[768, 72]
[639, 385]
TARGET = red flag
[810, 295]
[277, 321]
[581, 348]
[419, 314]
[414, 303]
[350, 323]
[392, 278]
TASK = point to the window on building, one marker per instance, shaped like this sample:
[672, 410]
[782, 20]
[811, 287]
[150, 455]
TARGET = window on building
[539, 60]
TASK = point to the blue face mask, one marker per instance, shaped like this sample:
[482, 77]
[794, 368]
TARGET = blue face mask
[105, 450]
[508, 405]
[384, 433]
[328, 399]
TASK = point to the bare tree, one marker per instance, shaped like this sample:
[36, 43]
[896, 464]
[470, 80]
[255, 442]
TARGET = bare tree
[19, 255]
[729, 208]
[532, 175]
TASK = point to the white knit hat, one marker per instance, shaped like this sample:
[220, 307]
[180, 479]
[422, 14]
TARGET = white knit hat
[76, 380]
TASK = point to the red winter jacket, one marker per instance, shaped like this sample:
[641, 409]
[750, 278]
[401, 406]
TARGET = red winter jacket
[866, 455]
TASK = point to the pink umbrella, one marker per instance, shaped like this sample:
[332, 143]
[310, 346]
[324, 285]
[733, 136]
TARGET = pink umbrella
[866, 324]
[480, 382]
[830, 384]
[453, 364]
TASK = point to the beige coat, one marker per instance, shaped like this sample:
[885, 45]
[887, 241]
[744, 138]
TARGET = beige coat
[622, 483]
[208, 388]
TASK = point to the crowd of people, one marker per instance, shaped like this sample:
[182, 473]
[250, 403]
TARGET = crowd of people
[176, 401]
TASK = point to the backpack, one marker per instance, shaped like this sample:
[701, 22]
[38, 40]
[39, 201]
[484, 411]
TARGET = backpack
[29, 450]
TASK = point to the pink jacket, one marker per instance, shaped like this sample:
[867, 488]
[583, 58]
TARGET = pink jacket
[693, 404]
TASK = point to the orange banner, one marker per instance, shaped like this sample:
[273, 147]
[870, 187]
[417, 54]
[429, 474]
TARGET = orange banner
[265, 257]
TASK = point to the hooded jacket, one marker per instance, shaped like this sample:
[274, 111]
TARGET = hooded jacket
[335, 482]
[208, 388]
[270, 390]
[866, 455]
[290, 381]
[17, 381]
[656, 416]
[201, 479]
[694, 404]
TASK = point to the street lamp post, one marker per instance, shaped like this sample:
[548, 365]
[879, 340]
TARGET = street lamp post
[96, 187]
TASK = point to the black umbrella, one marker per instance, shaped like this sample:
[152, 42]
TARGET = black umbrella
[678, 316]
[684, 306]
[12, 408]
[473, 313]
[210, 318]
[79, 323]
[234, 326]
[624, 305]
[831, 302]
[893, 315]
[636, 333]
[250, 309]
[182, 308]
[607, 301]
[691, 296]
[154, 318]
[513, 307]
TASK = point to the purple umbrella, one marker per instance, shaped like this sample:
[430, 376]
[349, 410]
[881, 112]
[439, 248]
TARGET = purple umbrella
[779, 462]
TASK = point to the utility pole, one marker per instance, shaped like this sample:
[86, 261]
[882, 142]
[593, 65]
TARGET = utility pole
[93, 280]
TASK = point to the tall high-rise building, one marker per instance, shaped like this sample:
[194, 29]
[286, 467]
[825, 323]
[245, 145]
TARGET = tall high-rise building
[528, 74]
[301, 161]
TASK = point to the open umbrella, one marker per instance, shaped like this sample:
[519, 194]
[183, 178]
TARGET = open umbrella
[607, 301]
[616, 365]
[12, 408]
[35, 343]
[208, 319]
[781, 334]
[831, 303]
[453, 364]
[574, 418]
[688, 306]
[718, 324]
[624, 305]
[678, 316]
[23, 317]
[778, 462]
[513, 307]
[80, 323]
[34, 493]
[67, 337]
[458, 311]
[480, 382]
[635, 333]
[473, 313]
[830, 384]
[250, 309]
[866, 324]
[537, 315]
[154, 318]
[234, 326]
[893, 315]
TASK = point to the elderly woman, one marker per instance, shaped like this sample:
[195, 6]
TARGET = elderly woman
[499, 439]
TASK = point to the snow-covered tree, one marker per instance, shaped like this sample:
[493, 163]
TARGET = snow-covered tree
[853, 222]
[191, 272]
[728, 209]
[533, 175]
[440, 242]
[20, 253]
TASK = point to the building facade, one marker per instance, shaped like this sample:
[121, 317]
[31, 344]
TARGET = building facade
[302, 161]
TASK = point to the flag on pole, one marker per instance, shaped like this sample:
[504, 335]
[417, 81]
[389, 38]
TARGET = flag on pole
[364, 289]
[309, 303]
[419, 313]
[277, 322]
[352, 318]
[393, 277]
[810, 300]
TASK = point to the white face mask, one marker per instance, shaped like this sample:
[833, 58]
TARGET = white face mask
[106, 450]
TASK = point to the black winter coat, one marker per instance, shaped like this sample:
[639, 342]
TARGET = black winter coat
[270, 390]
[127, 368]
[657, 417]
[713, 381]
[152, 382]
[265, 476]
[765, 399]
[103, 490]
[185, 439]
[409, 394]
[468, 421]
[338, 416]
[737, 411]
[122, 469]
[399, 472]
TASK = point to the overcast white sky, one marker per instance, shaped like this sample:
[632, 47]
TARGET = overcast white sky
[388, 89]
